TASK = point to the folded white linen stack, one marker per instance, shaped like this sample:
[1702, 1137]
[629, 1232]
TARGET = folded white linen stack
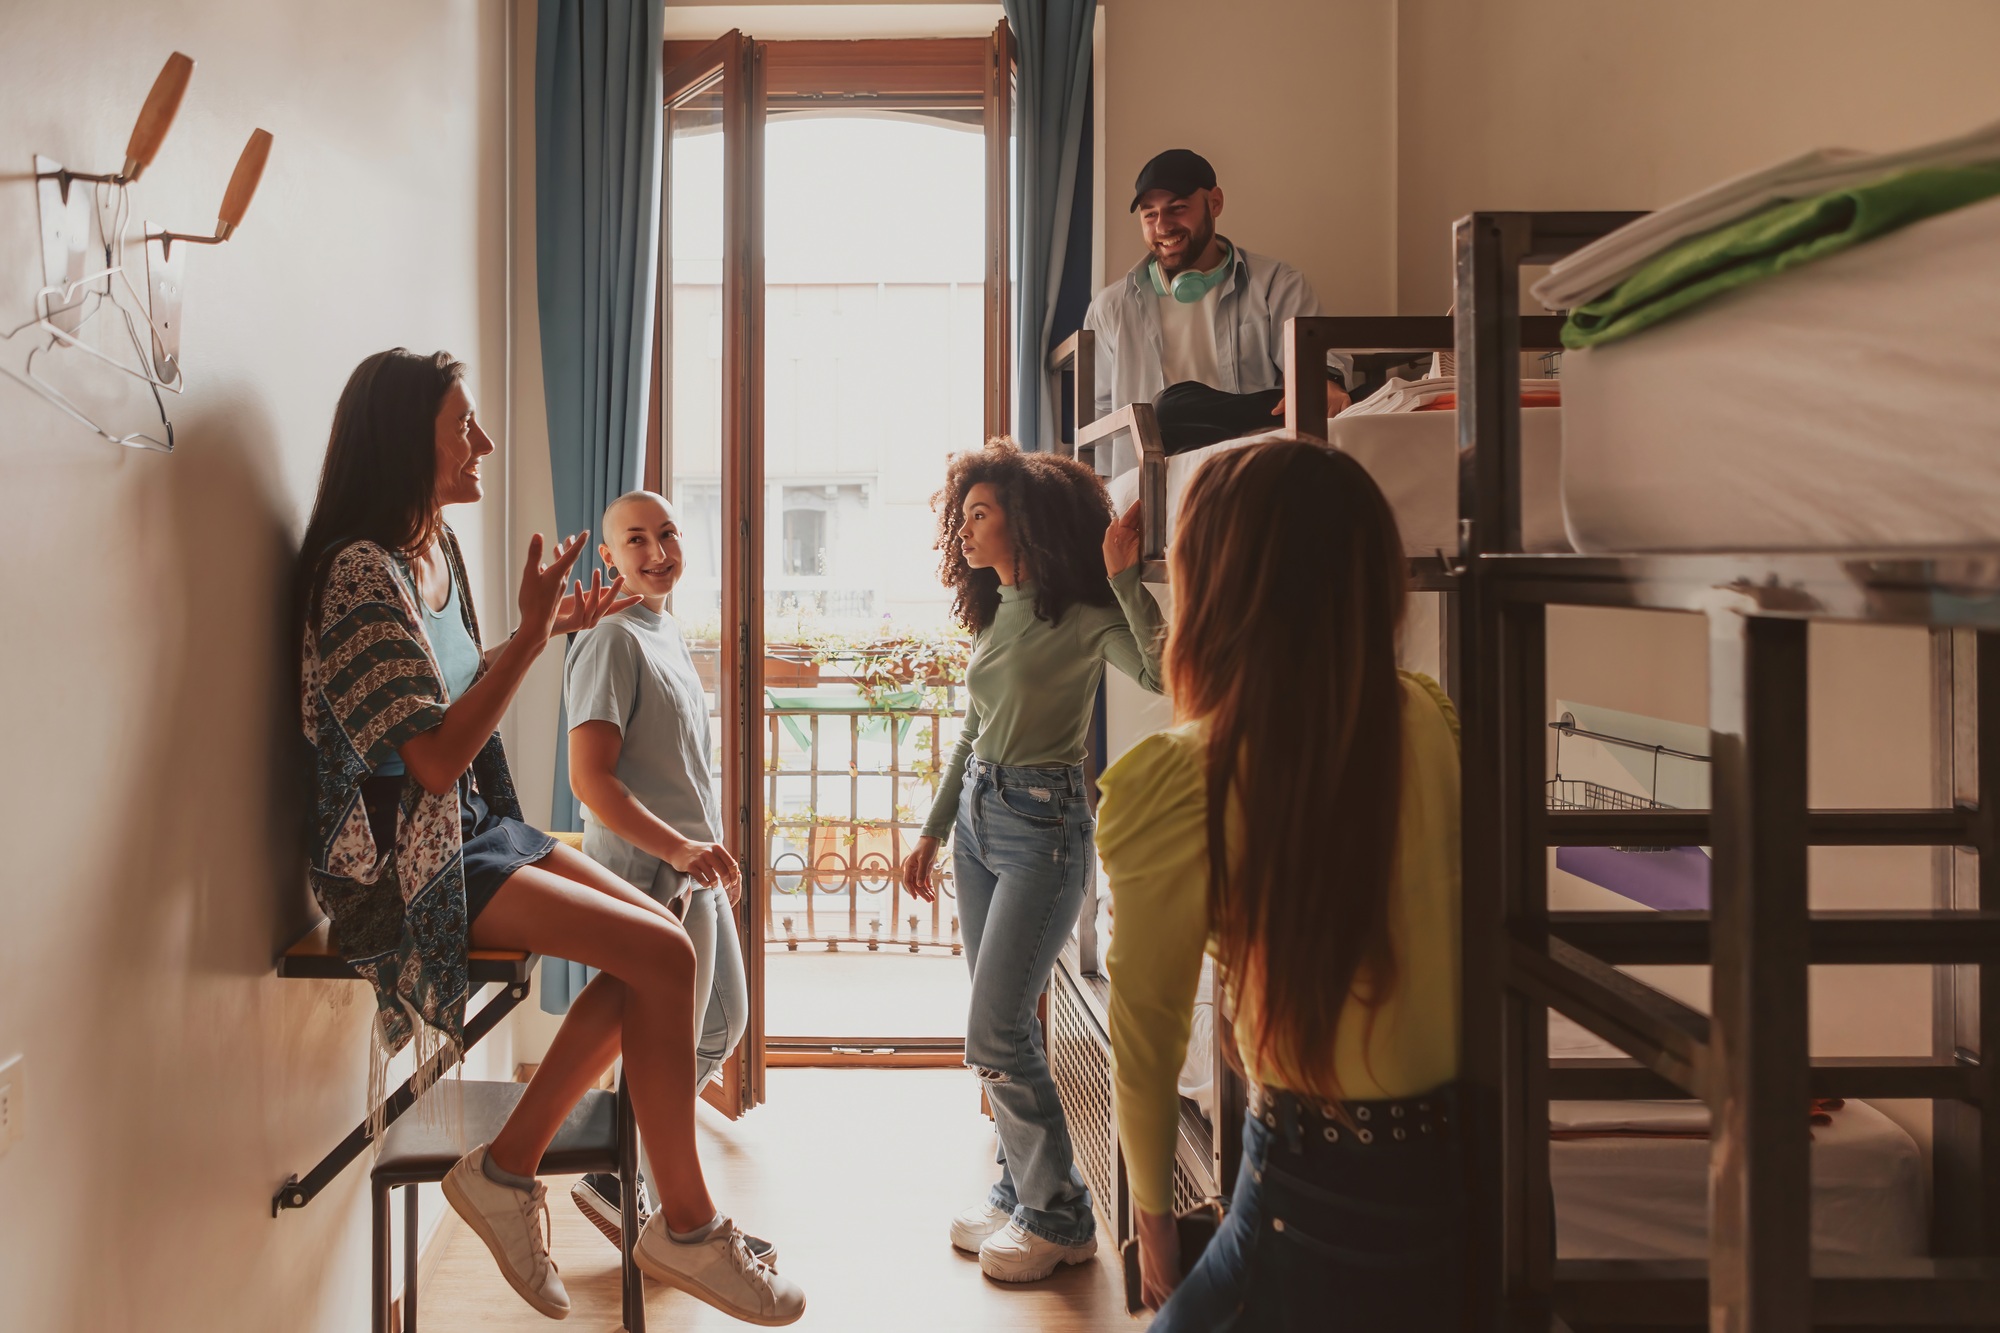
[1667, 1119]
[1400, 395]
[1609, 260]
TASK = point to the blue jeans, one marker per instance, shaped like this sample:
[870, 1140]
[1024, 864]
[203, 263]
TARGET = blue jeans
[1330, 1238]
[1022, 857]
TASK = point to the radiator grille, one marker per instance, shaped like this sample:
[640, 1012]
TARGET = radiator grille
[1080, 1060]
[1187, 1193]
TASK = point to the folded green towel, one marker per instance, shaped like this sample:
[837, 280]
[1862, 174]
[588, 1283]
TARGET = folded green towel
[1774, 239]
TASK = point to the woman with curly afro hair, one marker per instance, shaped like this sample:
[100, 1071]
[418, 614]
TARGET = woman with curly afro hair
[1049, 587]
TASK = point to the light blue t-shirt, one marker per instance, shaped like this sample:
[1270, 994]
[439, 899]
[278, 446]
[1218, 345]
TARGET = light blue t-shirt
[634, 671]
[457, 657]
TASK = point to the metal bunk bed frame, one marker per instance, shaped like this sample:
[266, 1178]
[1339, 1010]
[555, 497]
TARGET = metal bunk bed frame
[1749, 1058]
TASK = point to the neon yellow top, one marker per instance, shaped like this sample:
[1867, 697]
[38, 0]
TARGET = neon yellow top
[1152, 834]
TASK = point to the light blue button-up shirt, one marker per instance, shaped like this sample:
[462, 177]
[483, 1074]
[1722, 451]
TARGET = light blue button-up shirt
[1255, 299]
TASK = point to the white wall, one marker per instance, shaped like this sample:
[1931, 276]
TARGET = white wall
[1555, 104]
[1292, 101]
[148, 709]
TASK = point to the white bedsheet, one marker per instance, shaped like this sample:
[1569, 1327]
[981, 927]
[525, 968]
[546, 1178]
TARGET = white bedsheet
[1851, 402]
[1647, 1198]
[1413, 457]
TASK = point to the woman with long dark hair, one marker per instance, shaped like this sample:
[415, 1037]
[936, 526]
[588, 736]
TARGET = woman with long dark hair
[1049, 587]
[419, 852]
[1300, 823]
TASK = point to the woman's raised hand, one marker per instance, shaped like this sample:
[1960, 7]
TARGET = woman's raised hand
[917, 869]
[583, 608]
[542, 585]
[1121, 543]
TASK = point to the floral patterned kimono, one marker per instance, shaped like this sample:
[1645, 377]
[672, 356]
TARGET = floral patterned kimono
[370, 683]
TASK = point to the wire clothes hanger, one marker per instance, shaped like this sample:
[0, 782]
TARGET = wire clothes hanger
[69, 303]
[85, 296]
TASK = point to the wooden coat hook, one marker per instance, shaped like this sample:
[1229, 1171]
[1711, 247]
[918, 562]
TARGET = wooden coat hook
[235, 199]
[84, 269]
[156, 117]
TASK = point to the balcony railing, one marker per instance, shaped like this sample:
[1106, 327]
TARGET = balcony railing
[852, 758]
[855, 740]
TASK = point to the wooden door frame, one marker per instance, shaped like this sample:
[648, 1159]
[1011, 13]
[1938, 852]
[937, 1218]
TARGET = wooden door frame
[999, 377]
[908, 74]
[733, 59]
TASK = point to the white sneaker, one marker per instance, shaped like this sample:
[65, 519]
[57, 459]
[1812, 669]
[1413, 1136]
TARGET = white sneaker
[596, 1197]
[971, 1228]
[1016, 1254]
[720, 1271]
[514, 1224]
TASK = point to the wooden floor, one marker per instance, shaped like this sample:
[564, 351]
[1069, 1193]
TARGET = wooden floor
[855, 1175]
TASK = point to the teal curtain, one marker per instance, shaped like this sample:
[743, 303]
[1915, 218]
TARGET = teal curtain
[597, 226]
[1052, 99]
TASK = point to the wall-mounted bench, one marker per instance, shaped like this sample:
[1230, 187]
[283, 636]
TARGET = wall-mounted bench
[598, 1134]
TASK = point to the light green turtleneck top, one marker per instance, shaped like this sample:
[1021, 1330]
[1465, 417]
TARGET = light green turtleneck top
[1032, 684]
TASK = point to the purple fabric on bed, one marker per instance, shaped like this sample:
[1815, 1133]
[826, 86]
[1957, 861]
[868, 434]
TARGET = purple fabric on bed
[1675, 880]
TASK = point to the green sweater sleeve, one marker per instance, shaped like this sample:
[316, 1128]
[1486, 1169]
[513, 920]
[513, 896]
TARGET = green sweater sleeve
[944, 807]
[1152, 834]
[1132, 642]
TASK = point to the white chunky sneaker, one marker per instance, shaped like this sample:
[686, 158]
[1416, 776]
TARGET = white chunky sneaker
[720, 1271]
[971, 1228]
[1016, 1254]
[514, 1224]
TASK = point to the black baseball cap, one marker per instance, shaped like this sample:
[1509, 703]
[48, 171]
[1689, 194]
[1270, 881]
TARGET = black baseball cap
[1180, 171]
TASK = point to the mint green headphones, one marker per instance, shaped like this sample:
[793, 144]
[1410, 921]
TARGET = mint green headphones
[1191, 286]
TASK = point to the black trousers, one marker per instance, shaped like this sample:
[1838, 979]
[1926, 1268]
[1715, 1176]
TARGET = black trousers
[1194, 416]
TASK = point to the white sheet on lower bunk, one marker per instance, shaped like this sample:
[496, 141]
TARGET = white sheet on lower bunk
[1647, 1198]
[1413, 457]
[1850, 402]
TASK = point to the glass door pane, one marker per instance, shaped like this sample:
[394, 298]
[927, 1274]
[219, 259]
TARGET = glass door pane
[875, 372]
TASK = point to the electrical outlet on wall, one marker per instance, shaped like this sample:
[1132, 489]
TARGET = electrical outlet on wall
[12, 1088]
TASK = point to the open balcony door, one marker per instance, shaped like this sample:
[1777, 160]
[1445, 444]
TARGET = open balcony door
[720, 91]
[715, 93]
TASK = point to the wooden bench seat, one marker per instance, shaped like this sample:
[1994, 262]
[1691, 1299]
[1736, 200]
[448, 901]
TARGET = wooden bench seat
[314, 957]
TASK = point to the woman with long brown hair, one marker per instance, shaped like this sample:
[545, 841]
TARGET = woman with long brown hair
[1049, 587]
[1300, 823]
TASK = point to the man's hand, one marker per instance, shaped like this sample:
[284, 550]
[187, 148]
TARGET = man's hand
[1337, 401]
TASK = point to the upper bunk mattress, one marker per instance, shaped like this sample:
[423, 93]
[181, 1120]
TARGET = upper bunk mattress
[1413, 457]
[1852, 402]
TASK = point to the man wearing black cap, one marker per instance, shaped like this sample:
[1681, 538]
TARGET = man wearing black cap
[1198, 327]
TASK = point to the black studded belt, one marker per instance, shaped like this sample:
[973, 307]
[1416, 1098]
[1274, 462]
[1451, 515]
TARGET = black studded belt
[1299, 1121]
